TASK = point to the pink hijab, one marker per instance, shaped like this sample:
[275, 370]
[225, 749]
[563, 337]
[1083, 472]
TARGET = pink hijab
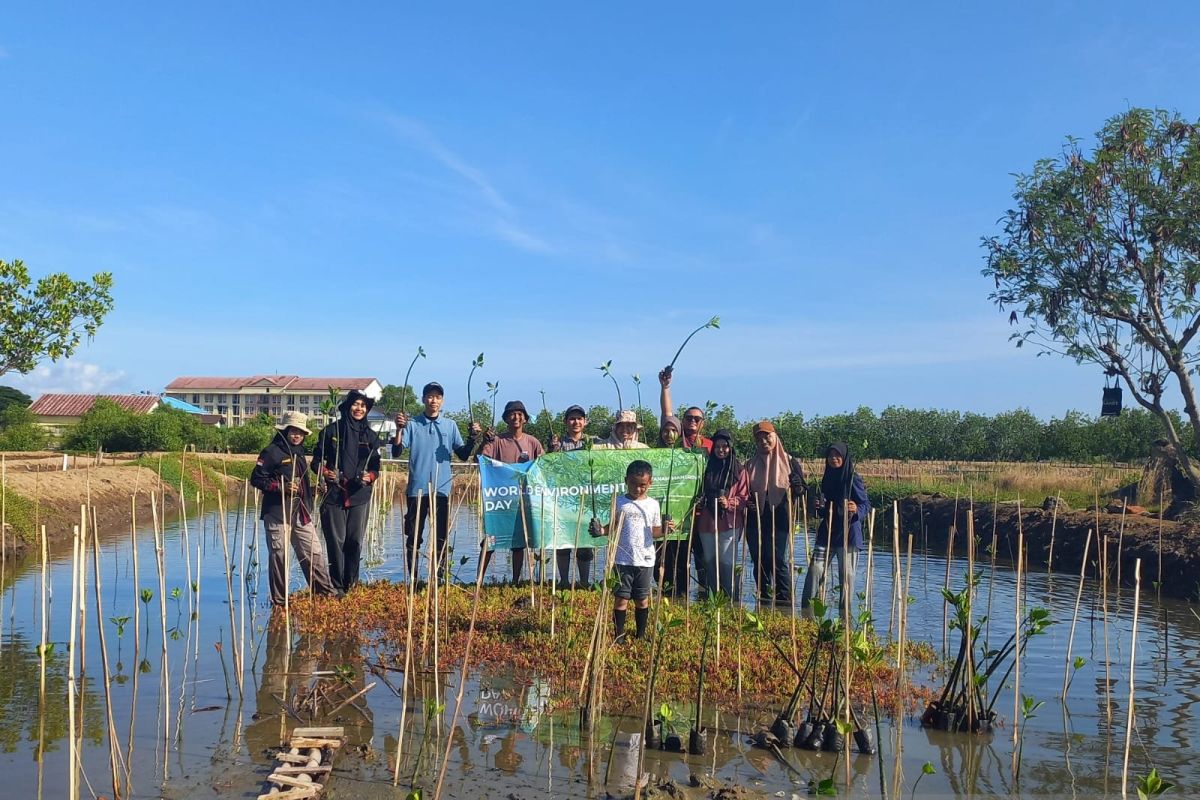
[770, 472]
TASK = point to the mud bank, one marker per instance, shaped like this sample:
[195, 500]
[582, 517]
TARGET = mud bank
[935, 519]
[119, 496]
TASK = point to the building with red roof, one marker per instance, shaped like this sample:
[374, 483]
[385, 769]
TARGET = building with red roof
[237, 400]
[60, 411]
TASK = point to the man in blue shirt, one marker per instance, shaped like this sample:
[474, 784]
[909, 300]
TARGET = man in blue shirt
[430, 440]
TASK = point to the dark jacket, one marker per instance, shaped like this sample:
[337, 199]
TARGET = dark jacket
[349, 490]
[274, 470]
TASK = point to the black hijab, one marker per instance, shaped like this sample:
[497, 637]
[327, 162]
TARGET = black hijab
[837, 482]
[356, 435]
[720, 474]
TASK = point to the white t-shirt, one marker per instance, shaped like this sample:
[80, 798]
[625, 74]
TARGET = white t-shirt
[635, 539]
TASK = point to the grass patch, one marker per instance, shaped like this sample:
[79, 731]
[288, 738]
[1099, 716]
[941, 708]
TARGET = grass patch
[196, 476]
[513, 637]
[21, 513]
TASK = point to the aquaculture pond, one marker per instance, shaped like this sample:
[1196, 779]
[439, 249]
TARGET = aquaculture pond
[180, 726]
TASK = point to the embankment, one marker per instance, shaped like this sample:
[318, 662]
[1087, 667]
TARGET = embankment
[936, 519]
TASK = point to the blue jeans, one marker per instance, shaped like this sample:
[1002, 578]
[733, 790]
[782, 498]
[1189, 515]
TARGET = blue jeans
[815, 580]
[768, 536]
[718, 554]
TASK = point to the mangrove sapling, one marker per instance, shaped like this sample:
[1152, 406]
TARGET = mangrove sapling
[493, 390]
[714, 323]
[606, 371]
[926, 769]
[1067, 673]
[710, 609]
[476, 364]
[1029, 707]
[637, 382]
[408, 373]
[1152, 786]
[664, 620]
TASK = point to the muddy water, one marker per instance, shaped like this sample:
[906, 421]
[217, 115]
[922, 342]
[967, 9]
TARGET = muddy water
[185, 732]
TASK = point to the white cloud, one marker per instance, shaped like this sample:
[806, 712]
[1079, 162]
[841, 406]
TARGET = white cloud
[501, 217]
[73, 377]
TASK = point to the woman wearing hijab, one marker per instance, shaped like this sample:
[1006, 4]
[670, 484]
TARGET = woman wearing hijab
[347, 458]
[775, 478]
[843, 506]
[668, 432]
[721, 513]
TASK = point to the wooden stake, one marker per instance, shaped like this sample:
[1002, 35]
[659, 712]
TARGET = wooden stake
[1075, 618]
[114, 748]
[1137, 592]
[1016, 727]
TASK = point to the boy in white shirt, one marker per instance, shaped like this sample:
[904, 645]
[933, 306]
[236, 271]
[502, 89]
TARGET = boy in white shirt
[637, 522]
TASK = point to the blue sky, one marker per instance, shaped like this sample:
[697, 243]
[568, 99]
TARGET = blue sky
[289, 188]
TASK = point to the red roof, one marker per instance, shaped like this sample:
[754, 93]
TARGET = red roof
[76, 405]
[293, 382]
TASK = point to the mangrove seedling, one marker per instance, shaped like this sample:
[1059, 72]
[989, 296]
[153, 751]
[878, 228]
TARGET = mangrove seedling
[710, 609]
[714, 323]
[404, 387]
[926, 769]
[1152, 786]
[637, 382]
[1028, 708]
[667, 719]
[549, 419]
[120, 623]
[476, 364]
[176, 594]
[823, 788]
[605, 369]
[493, 389]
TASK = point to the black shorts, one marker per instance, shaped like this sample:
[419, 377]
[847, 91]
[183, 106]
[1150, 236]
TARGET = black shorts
[633, 583]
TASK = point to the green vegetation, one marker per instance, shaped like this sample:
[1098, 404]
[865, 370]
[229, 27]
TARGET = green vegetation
[13, 397]
[50, 319]
[19, 431]
[196, 475]
[1099, 258]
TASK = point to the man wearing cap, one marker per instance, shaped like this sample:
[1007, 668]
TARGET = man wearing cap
[281, 473]
[574, 421]
[775, 478]
[514, 446]
[430, 440]
[692, 431]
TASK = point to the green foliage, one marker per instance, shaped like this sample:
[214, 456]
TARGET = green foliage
[10, 397]
[1100, 257]
[19, 431]
[106, 425]
[1152, 786]
[50, 319]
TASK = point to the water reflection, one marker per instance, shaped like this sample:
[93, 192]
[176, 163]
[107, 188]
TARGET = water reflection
[509, 737]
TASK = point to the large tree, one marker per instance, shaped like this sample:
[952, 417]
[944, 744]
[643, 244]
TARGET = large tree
[1099, 261]
[49, 319]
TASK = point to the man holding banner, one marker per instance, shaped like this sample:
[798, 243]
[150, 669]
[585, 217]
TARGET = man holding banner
[514, 446]
[574, 420]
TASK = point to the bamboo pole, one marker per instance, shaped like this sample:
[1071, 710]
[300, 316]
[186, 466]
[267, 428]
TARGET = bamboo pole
[72, 653]
[237, 656]
[1137, 592]
[1016, 728]
[1053, 525]
[1075, 617]
[162, 613]
[114, 748]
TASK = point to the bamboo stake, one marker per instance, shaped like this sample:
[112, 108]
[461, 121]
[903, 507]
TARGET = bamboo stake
[114, 749]
[1137, 591]
[162, 613]
[1121, 542]
[1016, 728]
[1075, 618]
[237, 656]
[72, 652]
[870, 559]
[1104, 613]
[1053, 524]
[896, 582]
[82, 606]
[1158, 583]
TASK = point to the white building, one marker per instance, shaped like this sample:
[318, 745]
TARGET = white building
[240, 400]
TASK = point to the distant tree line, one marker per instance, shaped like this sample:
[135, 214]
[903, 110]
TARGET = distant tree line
[902, 433]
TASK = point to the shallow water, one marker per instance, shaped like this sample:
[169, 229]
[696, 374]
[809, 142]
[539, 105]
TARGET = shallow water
[190, 736]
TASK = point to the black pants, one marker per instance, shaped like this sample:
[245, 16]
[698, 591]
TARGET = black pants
[768, 536]
[584, 556]
[415, 515]
[344, 529]
[673, 564]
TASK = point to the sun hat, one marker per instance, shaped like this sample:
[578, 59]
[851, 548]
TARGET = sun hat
[294, 419]
[514, 405]
[625, 415]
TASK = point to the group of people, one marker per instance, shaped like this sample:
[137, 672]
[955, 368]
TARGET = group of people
[758, 498]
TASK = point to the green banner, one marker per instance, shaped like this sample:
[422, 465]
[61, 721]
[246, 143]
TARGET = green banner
[546, 504]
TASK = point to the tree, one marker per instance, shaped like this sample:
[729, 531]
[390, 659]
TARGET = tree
[49, 319]
[13, 397]
[1101, 258]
